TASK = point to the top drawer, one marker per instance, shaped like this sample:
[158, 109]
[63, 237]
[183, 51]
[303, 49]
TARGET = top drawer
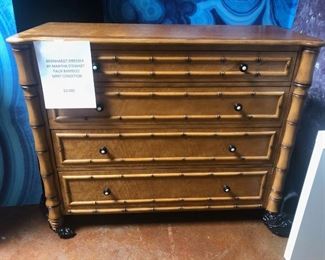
[112, 65]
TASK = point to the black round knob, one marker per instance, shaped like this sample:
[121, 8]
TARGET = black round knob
[99, 108]
[95, 66]
[238, 107]
[107, 192]
[243, 67]
[226, 188]
[103, 150]
[232, 148]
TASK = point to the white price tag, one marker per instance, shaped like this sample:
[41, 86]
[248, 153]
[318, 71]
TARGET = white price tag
[65, 69]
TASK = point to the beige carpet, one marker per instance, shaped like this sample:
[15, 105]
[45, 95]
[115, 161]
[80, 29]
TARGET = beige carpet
[24, 234]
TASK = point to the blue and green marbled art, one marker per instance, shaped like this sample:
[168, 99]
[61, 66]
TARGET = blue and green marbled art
[233, 12]
[19, 178]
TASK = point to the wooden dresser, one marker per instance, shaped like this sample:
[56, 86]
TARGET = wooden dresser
[187, 118]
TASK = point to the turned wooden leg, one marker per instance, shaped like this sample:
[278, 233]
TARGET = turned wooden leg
[30, 83]
[52, 203]
[56, 223]
[279, 223]
[56, 220]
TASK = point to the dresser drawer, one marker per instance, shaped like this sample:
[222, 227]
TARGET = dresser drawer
[158, 107]
[102, 190]
[100, 147]
[192, 65]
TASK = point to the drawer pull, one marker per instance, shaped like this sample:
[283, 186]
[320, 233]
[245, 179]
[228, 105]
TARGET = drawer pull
[243, 67]
[238, 107]
[107, 192]
[226, 188]
[95, 66]
[103, 150]
[232, 148]
[99, 108]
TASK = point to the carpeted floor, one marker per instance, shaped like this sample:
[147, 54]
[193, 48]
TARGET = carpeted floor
[24, 234]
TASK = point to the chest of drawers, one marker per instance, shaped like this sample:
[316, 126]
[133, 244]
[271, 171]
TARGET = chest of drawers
[187, 118]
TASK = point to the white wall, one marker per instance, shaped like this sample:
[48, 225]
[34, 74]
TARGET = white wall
[307, 236]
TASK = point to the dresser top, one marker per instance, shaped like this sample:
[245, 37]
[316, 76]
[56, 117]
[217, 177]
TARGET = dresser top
[165, 34]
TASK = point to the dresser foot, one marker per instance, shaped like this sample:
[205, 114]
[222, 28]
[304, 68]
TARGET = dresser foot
[278, 223]
[65, 232]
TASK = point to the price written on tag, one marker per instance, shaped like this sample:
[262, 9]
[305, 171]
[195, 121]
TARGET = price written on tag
[65, 69]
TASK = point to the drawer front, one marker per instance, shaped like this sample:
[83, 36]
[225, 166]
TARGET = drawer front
[89, 190]
[156, 107]
[189, 66]
[100, 148]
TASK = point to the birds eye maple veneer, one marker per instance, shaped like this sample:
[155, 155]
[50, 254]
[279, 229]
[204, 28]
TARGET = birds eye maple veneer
[187, 118]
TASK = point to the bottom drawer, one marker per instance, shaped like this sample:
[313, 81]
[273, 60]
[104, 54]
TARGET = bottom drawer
[99, 192]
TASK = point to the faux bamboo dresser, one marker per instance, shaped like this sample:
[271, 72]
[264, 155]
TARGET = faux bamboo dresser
[187, 118]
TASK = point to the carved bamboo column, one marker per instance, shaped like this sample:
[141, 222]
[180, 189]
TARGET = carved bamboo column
[28, 79]
[301, 84]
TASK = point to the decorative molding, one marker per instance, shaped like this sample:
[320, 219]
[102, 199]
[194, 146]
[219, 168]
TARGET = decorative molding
[193, 94]
[218, 62]
[67, 178]
[62, 158]
[160, 209]
[165, 175]
[274, 113]
[145, 73]
[166, 134]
